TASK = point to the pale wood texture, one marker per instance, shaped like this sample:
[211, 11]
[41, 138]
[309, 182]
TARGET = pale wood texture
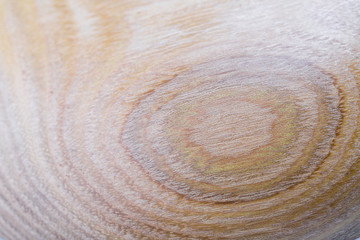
[179, 119]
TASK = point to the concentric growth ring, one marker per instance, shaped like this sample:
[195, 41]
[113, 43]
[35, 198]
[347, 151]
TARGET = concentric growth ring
[231, 135]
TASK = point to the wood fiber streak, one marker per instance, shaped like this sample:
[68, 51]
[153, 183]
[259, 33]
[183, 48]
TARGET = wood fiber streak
[179, 119]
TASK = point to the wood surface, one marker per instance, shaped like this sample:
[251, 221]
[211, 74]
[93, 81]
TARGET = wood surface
[179, 119]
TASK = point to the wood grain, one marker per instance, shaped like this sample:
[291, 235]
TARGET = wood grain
[179, 119]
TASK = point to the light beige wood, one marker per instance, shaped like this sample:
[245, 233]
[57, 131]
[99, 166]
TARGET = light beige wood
[179, 119]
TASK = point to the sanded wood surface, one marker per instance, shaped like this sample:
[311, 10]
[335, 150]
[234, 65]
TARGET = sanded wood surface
[179, 119]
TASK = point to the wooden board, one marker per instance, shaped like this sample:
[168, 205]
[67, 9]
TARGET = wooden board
[179, 119]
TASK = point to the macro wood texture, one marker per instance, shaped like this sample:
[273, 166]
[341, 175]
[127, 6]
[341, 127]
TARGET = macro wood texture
[182, 119]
